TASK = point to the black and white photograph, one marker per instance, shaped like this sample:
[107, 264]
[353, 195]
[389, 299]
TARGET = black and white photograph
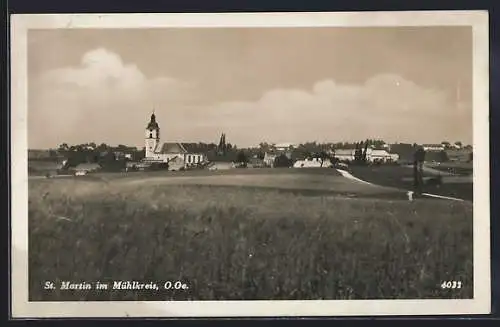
[250, 164]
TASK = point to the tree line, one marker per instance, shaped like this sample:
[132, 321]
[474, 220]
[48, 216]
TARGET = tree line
[113, 156]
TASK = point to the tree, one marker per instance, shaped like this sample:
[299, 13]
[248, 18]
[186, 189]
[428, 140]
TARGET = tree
[242, 158]
[323, 156]
[378, 143]
[364, 151]
[458, 144]
[122, 147]
[222, 147]
[357, 155]
[102, 147]
[360, 152]
[282, 161]
[64, 147]
[107, 160]
[418, 160]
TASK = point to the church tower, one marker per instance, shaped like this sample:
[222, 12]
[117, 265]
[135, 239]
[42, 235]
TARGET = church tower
[152, 137]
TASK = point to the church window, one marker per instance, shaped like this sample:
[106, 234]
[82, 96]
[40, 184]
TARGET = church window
[151, 135]
[189, 159]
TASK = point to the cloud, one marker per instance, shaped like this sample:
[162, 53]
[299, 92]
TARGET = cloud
[104, 99]
[385, 106]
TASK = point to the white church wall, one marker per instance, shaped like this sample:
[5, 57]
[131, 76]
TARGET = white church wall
[153, 151]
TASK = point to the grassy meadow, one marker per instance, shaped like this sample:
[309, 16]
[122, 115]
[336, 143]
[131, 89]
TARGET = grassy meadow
[402, 177]
[229, 242]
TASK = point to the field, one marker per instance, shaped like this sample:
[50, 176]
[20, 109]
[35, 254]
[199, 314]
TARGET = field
[458, 168]
[401, 177]
[245, 234]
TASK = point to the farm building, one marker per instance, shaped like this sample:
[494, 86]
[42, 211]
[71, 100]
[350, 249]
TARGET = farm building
[312, 163]
[270, 157]
[131, 165]
[433, 147]
[284, 146]
[345, 154]
[221, 161]
[86, 168]
[136, 165]
[379, 155]
[221, 165]
[255, 163]
[176, 163]
[372, 155]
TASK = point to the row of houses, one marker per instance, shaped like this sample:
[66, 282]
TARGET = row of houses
[372, 155]
[214, 161]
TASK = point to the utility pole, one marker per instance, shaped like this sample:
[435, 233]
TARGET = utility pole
[418, 163]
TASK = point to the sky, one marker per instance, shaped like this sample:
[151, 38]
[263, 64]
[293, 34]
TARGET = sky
[276, 85]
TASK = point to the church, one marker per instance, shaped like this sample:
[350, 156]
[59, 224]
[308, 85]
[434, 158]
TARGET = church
[177, 155]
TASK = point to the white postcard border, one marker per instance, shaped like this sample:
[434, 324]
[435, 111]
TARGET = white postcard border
[22, 308]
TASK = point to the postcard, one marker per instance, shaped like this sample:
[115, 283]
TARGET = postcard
[250, 164]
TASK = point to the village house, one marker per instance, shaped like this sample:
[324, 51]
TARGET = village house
[433, 147]
[372, 155]
[221, 161]
[313, 162]
[136, 165]
[85, 168]
[381, 155]
[255, 163]
[345, 154]
[221, 165]
[270, 157]
[284, 146]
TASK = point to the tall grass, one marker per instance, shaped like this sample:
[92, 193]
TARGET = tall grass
[238, 243]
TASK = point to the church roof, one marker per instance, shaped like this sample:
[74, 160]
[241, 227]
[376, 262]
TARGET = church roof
[171, 147]
[175, 147]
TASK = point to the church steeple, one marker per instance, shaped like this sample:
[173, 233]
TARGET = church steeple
[153, 125]
[152, 137]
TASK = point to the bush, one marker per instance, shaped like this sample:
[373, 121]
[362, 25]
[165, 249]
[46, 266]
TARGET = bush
[282, 161]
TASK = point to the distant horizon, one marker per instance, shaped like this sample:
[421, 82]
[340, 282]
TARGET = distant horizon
[284, 84]
[464, 144]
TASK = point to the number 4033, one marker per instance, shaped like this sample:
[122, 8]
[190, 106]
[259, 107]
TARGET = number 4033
[451, 284]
